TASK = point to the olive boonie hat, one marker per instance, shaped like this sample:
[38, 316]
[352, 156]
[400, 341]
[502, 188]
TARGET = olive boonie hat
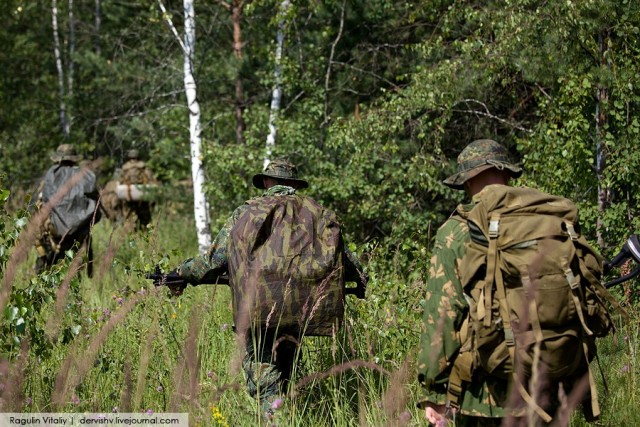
[479, 156]
[133, 154]
[65, 152]
[279, 169]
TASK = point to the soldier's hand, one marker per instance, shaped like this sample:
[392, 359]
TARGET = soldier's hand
[435, 415]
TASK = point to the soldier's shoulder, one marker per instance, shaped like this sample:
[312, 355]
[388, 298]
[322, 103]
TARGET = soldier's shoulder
[455, 223]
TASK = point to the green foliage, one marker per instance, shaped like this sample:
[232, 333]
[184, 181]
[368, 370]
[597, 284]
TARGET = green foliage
[23, 316]
[374, 115]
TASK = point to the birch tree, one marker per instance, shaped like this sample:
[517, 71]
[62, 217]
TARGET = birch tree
[64, 121]
[276, 96]
[200, 205]
[72, 49]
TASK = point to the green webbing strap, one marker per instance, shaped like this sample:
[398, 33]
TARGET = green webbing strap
[533, 307]
[460, 373]
[574, 284]
[501, 296]
[595, 407]
[492, 259]
[571, 230]
[530, 400]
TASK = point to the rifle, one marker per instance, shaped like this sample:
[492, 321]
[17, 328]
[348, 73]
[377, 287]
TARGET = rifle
[631, 249]
[177, 284]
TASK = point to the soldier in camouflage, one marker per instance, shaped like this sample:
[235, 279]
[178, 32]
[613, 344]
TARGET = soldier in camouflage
[481, 164]
[270, 351]
[70, 220]
[136, 172]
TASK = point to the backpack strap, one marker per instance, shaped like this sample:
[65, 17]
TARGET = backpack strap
[530, 401]
[595, 406]
[484, 310]
[460, 373]
[574, 284]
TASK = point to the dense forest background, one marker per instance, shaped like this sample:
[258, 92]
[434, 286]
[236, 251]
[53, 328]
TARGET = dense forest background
[378, 99]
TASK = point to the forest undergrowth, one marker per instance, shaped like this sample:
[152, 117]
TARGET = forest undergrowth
[114, 343]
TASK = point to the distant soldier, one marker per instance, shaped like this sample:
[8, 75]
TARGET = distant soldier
[287, 265]
[109, 200]
[73, 191]
[136, 175]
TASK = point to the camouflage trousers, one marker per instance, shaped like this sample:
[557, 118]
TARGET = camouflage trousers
[51, 249]
[268, 364]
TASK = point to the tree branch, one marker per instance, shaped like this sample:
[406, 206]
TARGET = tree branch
[487, 113]
[328, 75]
[167, 18]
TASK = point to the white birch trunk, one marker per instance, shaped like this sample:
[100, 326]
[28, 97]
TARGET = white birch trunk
[200, 205]
[72, 48]
[56, 50]
[276, 96]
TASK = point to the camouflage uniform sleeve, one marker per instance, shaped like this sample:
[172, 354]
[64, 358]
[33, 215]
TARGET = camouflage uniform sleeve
[214, 262]
[444, 311]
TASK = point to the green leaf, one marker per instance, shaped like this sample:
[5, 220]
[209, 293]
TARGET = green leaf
[10, 313]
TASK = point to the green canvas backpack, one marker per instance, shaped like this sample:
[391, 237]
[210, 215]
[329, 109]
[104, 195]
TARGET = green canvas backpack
[536, 303]
[285, 266]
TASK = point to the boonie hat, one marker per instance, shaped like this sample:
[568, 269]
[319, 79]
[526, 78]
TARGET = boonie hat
[479, 156]
[280, 169]
[65, 152]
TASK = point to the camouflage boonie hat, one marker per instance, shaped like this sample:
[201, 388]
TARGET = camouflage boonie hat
[133, 154]
[479, 156]
[279, 169]
[66, 152]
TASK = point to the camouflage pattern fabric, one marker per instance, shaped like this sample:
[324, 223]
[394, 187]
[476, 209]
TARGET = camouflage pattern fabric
[479, 156]
[285, 265]
[138, 211]
[268, 364]
[214, 262]
[136, 172]
[109, 200]
[445, 310]
[266, 375]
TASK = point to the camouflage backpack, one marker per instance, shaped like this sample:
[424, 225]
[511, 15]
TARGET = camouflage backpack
[135, 172]
[536, 302]
[285, 266]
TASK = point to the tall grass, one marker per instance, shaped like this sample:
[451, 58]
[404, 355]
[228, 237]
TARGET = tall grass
[139, 349]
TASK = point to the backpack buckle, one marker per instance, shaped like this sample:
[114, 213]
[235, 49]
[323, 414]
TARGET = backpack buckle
[494, 226]
[509, 337]
[571, 278]
[571, 230]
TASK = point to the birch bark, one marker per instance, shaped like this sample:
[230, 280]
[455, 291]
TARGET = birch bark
[200, 204]
[64, 123]
[72, 49]
[276, 96]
